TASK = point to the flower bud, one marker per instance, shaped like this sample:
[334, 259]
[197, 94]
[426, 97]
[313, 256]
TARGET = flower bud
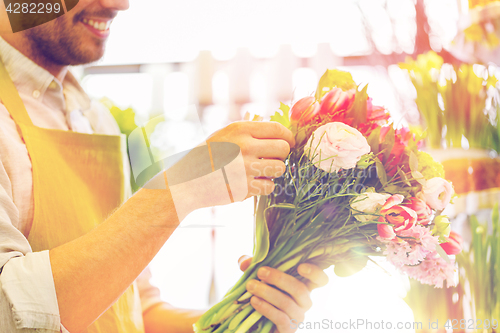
[304, 110]
[337, 100]
[442, 227]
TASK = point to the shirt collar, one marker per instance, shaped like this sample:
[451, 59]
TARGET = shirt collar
[31, 79]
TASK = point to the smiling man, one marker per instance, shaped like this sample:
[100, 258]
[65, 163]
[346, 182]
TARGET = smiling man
[73, 242]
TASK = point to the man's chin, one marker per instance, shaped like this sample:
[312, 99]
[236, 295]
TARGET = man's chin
[86, 56]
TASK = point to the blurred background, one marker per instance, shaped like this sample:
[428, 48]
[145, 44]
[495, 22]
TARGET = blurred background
[431, 63]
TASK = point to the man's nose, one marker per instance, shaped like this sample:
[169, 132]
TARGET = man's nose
[115, 4]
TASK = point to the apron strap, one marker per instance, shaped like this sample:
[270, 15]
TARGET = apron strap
[11, 99]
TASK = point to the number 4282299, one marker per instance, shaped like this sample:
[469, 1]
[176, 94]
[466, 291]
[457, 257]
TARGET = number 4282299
[33, 8]
[478, 324]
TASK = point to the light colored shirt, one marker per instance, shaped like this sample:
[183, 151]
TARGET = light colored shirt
[28, 299]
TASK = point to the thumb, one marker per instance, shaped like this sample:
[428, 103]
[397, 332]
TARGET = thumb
[244, 262]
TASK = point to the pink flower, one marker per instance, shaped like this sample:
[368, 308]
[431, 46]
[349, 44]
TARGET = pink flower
[304, 110]
[337, 100]
[411, 246]
[434, 270]
[336, 146]
[437, 193]
[424, 212]
[453, 244]
[400, 216]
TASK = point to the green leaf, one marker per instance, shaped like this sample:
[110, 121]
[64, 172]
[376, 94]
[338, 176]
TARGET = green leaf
[394, 189]
[374, 140]
[417, 175]
[365, 161]
[261, 241]
[358, 111]
[348, 268]
[334, 79]
[388, 143]
[283, 205]
[284, 117]
[402, 174]
[382, 175]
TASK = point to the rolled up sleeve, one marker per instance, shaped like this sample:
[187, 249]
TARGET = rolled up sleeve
[28, 301]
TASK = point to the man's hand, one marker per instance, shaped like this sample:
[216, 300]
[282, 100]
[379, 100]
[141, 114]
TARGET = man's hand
[261, 148]
[264, 146]
[273, 303]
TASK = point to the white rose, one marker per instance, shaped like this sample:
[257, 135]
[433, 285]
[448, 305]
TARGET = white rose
[437, 193]
[336, 146]
[368, 202]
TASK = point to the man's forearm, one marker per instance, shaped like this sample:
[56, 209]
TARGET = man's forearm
[166, 318]
[92, 271]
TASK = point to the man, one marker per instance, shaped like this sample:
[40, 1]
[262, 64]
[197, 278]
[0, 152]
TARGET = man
[70, 249]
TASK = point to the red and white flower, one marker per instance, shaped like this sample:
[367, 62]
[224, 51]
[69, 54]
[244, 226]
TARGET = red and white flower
[424, 212]
[453, 244]
[400, 216]
[337, 100]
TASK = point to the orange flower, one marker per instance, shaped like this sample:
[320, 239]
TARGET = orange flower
[423, 211]
[304, 110]
[399, 216]
[337, 100]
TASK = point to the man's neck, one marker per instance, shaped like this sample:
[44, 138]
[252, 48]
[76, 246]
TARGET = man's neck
[23, 45]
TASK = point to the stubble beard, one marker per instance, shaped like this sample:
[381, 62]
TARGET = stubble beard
[60, 42]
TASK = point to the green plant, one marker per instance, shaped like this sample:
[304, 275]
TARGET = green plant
[452, 101]
[481, 267]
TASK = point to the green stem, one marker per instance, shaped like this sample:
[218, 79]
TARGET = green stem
[222, 327]
[268, 326]
[299, 249]
[249, 322]
[245, 311]
[245, 296]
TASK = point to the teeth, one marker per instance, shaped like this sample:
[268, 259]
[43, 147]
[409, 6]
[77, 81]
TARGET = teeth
[98, 25]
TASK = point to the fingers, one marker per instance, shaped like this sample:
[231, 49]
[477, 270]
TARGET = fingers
[244, 262]
[276, 298]
[266, 168]
[282, 321]
[296, 289]
[272, 149]
[263, 146]
[260, 187]
[316, 276]
[271, 130]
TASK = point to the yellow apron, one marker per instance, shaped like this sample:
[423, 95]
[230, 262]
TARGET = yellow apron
[77, 182]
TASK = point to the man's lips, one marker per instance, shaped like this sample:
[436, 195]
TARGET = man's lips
[98, 26]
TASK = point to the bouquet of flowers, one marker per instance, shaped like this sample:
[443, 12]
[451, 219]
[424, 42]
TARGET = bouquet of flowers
[354, 187]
